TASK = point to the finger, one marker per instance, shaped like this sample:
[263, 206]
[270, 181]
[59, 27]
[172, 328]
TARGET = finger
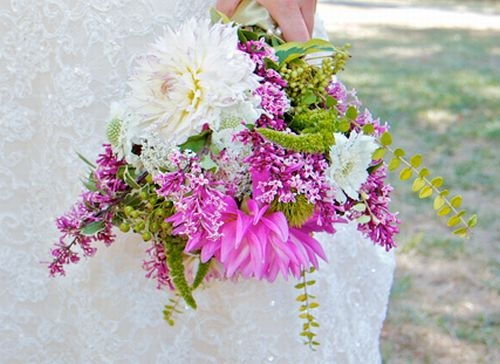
[308, 10]
[291, 22]
[227, 7]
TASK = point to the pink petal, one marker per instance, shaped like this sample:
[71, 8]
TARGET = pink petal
[278, 224]
[235, 260]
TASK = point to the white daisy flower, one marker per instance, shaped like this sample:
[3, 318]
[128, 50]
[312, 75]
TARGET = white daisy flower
[350, 158]
[194, 75]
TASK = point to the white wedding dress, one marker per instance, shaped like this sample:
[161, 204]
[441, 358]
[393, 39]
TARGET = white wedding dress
[62, 62]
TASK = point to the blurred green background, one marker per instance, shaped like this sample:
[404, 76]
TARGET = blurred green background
[432, 69]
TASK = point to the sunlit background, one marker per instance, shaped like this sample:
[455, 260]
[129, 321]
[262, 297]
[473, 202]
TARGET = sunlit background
[432, 69]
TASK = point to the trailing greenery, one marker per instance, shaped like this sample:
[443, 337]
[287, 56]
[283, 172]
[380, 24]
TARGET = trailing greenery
[174, 247]
[426, 186]
[307, 304]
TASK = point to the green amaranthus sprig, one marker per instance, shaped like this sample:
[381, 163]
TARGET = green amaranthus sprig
[174, 248]
[307, 304]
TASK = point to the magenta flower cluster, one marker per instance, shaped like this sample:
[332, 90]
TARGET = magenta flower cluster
[93, 209]
[272, 86]
[383, 225]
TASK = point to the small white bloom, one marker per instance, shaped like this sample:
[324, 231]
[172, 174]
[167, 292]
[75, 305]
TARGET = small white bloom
[193, 76]
[350, 158]
[156, 155]
[119, 132]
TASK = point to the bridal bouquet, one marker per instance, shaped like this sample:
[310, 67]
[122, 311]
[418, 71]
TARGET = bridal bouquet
[231, 151]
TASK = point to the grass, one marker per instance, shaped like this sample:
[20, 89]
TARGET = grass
[440, 89]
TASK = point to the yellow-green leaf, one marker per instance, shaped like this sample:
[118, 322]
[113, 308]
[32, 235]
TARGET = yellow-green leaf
[454, 220]
[301, 298]
[425, 192]
[378, 154]
[444, 193]
[418, 184]
[445, 210]
[359, 207]
[405, 174]
[416, 160]
[313, 305]
[394, 164]
[344, 126]
[472, 221]
[351, 113]
[398, 152]
[437, 182]
[386, 139]
[363, 219]
[456, 201]
[424, 172]
[438, 202]
[462, 232]
[368, 129]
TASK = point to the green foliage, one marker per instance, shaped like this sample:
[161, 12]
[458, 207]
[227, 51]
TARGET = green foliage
[93, 228]
[307, 304]
[310, 143]
[196, 143]
[174, 247]
[170, 309]
[427, 187]
[290, 51]
[86, 161]
[201, 273]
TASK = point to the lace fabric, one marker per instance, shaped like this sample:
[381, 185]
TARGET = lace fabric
[61, 64]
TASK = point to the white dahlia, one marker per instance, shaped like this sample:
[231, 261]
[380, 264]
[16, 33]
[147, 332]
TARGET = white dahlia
[193, 75]
[350, 158]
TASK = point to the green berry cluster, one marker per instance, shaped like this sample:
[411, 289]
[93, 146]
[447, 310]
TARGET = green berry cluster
[307, 81]
[144, 212]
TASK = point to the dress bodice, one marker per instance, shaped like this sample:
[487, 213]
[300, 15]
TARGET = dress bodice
[61, 65]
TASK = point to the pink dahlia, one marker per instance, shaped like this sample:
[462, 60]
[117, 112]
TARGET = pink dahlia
[259, 243]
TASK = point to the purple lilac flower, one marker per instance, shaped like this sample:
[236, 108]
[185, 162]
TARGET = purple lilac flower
[365, 118]
[93, 207]
[281, 174]
[384, 224]
[156, 267]
[344, 98]
[274, 101]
